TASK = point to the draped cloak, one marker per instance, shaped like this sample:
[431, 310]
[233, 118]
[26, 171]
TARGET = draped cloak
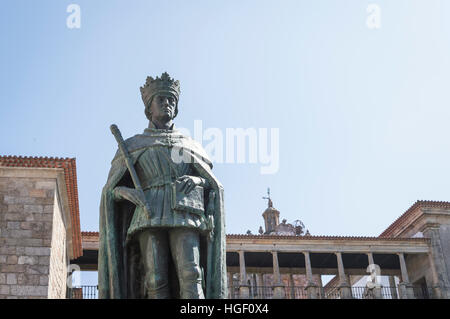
[118, 259]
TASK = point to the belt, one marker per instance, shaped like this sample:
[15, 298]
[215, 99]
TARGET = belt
[160, 181]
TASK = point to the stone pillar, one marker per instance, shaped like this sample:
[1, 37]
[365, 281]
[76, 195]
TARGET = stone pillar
[437, 259]
[344, 286]
[243, 287]
[437, 291]
[404, 271]
[377, 288]
[405, 286]
[278, 287]
[311, 287]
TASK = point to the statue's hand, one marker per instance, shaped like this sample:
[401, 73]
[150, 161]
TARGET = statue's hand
[130, 194]
[190, 182]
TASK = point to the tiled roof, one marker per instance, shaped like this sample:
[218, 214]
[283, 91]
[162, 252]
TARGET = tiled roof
[70, 175]
[89, 234]
[245, 236]
[387, 234]
[399, 222]
[92, 234]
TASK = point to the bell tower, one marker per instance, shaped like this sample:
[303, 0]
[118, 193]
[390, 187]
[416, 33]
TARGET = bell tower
[271, 215]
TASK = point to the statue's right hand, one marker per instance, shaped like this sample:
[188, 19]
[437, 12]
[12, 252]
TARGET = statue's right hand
[130, 194]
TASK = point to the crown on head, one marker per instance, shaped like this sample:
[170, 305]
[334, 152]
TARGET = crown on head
[159, 85]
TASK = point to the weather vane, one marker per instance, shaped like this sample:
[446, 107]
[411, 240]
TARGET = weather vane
[269, 202]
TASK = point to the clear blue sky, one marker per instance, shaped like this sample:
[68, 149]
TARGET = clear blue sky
[363, 114]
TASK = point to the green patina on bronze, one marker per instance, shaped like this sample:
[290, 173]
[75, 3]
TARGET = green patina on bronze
[153, 252]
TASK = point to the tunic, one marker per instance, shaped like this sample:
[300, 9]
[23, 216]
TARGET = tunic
[157, 173]
[116, 272]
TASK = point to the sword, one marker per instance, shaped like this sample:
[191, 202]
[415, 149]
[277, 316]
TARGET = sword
[129, 163]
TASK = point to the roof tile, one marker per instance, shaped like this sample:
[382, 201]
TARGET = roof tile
[389, 232]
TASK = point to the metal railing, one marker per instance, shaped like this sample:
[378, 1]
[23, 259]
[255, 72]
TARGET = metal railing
[261, 292]
[328, 293]
[290, 292]
[82, 292]
[295, 292]
[366, 293]
[357, 292]
[423, 292]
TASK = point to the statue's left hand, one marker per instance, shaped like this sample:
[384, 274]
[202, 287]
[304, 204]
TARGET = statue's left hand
[190, 182]
[130, 194]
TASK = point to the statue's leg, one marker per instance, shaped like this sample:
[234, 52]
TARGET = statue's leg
[185, 249]
[154, 248]
[134, 282]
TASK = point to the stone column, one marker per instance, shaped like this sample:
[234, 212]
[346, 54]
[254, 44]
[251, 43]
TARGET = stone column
[377, 288]
[311, 287]
[404, 271]
[243, 287]
[437, 259]
[437, 291]
[405, 286]
[278, 287]
[370, 257]
[344, 286]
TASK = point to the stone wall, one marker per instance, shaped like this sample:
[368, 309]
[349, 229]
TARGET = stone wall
[58, 259]
[28, 209]
[419, 267]
[444, 234]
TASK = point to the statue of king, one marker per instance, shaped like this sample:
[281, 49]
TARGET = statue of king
[162, 229]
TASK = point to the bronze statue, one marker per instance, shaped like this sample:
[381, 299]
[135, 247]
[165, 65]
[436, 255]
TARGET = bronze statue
[162, 229]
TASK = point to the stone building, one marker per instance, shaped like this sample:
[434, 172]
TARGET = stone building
[39, 226]
[40, 239]
[411, 259]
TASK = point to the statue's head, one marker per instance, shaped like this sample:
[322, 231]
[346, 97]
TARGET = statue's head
[160, 97]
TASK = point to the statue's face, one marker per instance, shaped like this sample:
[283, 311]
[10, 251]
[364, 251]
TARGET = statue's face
[163, 107]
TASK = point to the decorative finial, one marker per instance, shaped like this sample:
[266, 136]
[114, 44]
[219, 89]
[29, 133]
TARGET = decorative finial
[269, 201]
